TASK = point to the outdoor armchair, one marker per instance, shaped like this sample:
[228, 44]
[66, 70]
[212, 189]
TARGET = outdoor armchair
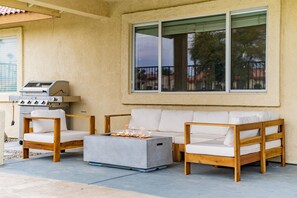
[49, 132]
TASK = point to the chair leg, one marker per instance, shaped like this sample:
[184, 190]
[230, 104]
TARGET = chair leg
[56, 156]
[263, 166]
[187, 168]
[56, 153]
[237, 173]
[25, 153]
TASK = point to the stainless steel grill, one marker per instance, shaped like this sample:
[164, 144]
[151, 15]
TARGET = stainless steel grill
[43, 95]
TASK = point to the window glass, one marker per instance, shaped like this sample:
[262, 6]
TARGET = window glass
[193, 54]
[146, 58]
[8, 64]
[248, 51]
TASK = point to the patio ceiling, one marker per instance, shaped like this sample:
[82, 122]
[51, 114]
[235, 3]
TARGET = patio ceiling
[96, 9]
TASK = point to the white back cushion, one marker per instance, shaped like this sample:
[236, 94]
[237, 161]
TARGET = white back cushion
[229, 139]
[40, 126]
[210, 117]
[148, 119]
[173, 120]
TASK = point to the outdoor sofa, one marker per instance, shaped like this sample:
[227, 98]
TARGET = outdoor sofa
[220, 138]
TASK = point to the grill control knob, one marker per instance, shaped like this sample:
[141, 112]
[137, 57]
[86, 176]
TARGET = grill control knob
[36, 102]
[22, 102]
[43, 102]
[29, 102]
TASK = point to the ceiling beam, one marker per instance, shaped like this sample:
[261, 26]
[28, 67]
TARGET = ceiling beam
[29, 7]
[92, 8]
[23, 17]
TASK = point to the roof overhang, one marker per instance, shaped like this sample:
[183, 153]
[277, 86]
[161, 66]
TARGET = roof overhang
[92, 8]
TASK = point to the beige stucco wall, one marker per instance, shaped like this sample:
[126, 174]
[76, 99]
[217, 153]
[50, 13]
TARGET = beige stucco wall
[87, 52]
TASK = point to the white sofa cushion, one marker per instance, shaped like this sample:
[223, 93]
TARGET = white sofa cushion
[210, 117]
[40, 126]
[48, 137]
[164, 134]
[229, 140]
[148, 119]
[217, 148]
[262, 115]
[173, 120]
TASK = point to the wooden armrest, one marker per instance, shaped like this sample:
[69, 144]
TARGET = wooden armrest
[237, 129]
[107, 121]
[118, 115]
[209, 124]
[27, 119]
[77, 116]
[38, 118]
[91, 124]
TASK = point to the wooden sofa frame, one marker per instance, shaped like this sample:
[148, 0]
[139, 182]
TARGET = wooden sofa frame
[178, 149]
[238, 160]
[57, 147]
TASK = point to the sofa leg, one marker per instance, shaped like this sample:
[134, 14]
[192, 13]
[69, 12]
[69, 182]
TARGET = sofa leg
[176, 153]
[187, 168]
[237, 174]
[283, 160]
[283, 157]
[25, 153]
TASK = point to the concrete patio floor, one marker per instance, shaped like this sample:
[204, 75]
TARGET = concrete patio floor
[205, 181]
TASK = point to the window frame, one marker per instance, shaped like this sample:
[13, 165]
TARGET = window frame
[18, 33]
[228, 50]
[271, 98]
[134, 57]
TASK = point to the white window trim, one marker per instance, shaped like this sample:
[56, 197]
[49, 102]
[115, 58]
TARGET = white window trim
[18, 33]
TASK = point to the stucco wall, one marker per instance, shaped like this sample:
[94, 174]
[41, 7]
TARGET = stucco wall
[87, 53]
[2, 115]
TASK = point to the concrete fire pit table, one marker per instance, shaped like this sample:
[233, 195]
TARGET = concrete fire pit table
[143, 154]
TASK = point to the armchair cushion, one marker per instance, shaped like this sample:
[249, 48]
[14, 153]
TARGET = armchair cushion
[40, 126]
[229, 140]
[145, 118]
[217, 148]
[48, 137]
